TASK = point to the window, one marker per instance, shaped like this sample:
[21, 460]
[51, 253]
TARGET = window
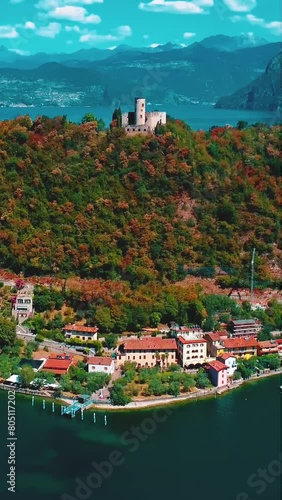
[105, 368]
[133, 357]
[140, 357]
[144, 357]
[142, 105]
[153, 357]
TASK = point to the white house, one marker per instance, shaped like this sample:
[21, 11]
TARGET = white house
[80, 332]
[191, 351]
[230, 361]
[101, 364]
[23, 305]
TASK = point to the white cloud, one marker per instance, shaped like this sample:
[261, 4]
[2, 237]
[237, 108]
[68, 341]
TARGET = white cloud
[118, 34]
[146, 37]
[154, 45]
[17, 1]
[71, 13]
[8, 32]
[124, 31]
[49, 31]
[275, 27]
[53, 4]
[174, 7]
[188, 35]
[255, 20]
[73, 28]
[241, 5]
[94, 37]
[29, 25]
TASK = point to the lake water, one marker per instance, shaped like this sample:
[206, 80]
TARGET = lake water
[197, 116]
[210, 449]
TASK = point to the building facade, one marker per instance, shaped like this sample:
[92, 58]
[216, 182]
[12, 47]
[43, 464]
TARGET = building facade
[192, 353]
[244, 328]
[81, 332]
[217, 372]
[140, 121]
[230, 361]
[267, 347]
[101, 364]
[59, 364]
[148, 352]
[240, 346]
[23, 304]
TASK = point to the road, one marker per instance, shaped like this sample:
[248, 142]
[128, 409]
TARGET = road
[51, 344]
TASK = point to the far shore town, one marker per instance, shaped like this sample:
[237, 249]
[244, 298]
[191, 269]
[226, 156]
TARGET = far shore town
[167, 360]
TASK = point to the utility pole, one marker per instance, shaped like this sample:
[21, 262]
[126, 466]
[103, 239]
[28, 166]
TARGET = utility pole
[252, 274]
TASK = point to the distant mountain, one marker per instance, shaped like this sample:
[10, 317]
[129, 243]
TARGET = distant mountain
[15, 60]
[193, 74]
[264, 93]
[232, 43]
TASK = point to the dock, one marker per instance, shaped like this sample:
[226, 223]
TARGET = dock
[76, 406]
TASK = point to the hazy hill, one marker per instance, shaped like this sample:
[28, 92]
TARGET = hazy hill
[232, 43]
[264, 93]
[166, 74]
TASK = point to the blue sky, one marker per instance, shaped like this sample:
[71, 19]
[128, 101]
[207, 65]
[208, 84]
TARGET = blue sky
[29, 26]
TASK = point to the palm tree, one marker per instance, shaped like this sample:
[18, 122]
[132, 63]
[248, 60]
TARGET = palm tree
[163, 360]
[158, 357]
[166, 358]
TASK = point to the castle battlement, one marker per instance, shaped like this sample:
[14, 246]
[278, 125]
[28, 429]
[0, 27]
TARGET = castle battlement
[141, 121]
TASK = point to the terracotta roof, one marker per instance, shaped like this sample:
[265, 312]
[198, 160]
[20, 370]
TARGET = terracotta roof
[226, 355]
[217, 365]
[267, 343]
[100, 360]
[81, 328]
[212, 336]
[58, 364]
[150, 344]
[278, 341]
[191, 341]
[238, 342]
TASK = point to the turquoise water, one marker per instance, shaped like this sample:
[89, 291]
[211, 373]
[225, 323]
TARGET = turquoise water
[197, 116]
[209, 449]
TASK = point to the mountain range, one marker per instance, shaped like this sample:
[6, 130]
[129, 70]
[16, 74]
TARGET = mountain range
[168, 74]
[264, 92]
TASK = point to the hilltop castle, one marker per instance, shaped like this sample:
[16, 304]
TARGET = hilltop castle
[140, 121]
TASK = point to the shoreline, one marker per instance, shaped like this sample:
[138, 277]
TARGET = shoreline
[204, 394]
[152, 403]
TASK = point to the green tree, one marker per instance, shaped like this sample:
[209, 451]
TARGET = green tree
[202, 380]
[111, 340]
[118, 396]
[7, 332]
[27, 375]
[174, 388]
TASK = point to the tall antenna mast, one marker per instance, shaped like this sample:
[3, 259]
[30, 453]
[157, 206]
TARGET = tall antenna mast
[252, 273]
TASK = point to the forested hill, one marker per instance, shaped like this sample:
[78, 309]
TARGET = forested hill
[74, 201]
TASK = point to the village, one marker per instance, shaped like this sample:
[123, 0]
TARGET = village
[168, 360]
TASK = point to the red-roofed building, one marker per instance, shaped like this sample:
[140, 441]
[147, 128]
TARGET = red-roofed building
[267, 347]
[214, 346]
[101, 364]
[240, 346]
[81, 332]
[230, 361]
[217, 372]
[244, 328]
[191, 352]
[148, 351]
[279, 346]
[59, 364]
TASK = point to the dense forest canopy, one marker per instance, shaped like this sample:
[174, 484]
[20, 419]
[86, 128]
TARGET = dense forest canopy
[76, 200]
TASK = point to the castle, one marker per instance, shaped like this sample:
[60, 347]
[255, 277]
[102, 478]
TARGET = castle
[141, 121]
